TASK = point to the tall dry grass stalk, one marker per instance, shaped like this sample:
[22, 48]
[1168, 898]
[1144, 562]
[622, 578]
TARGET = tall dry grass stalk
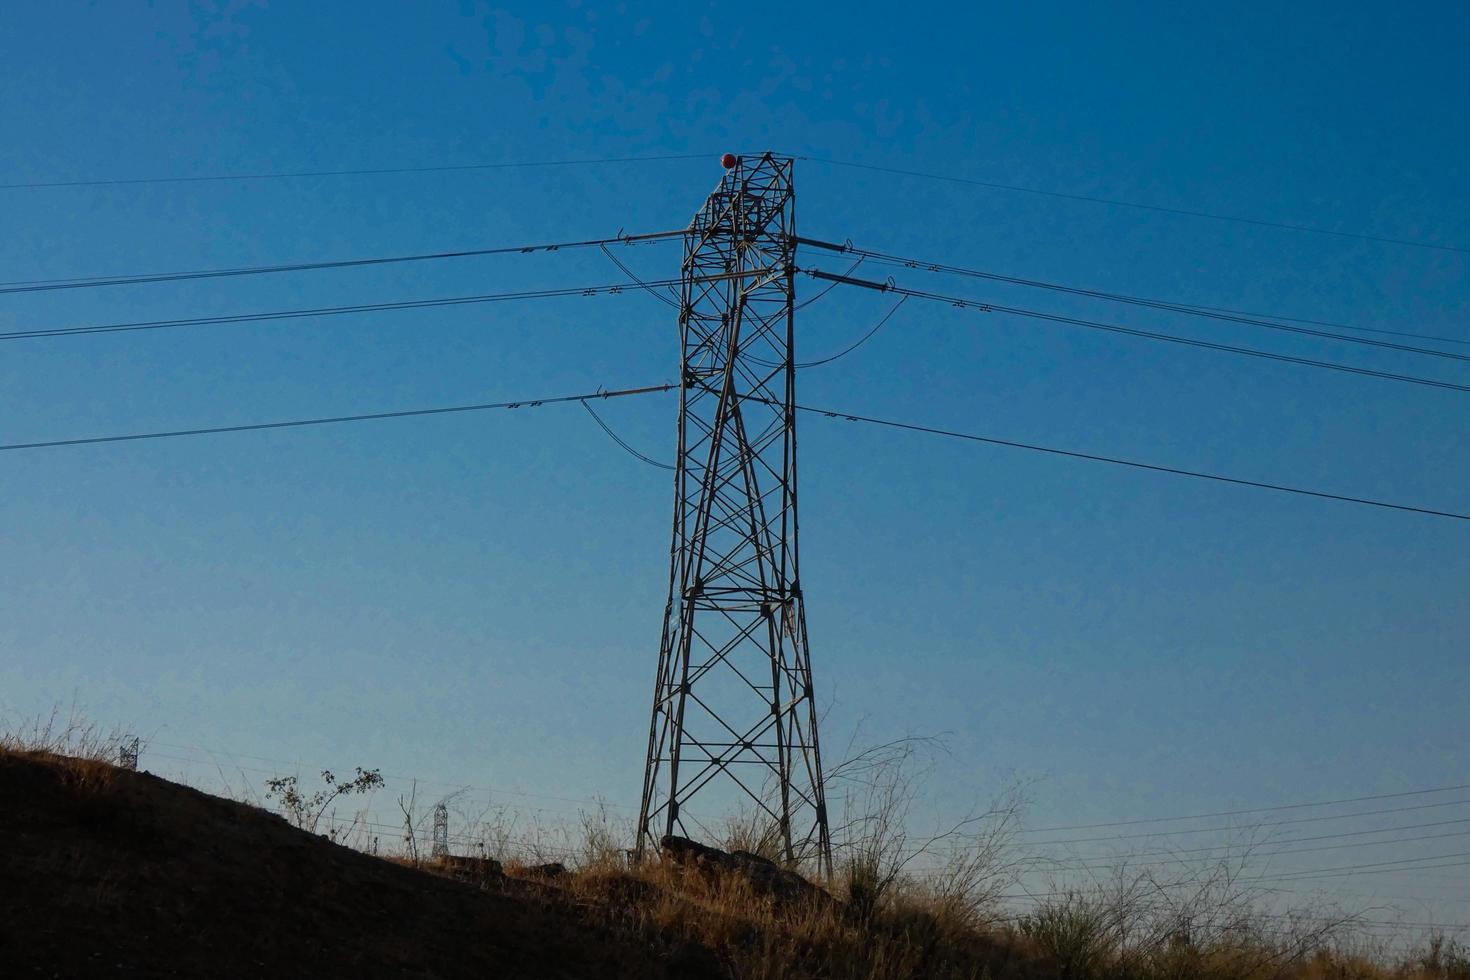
[961, 867]
[87, 752]
[64, 734]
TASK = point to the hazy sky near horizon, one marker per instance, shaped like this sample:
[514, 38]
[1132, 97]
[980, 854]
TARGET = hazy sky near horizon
[477, 598]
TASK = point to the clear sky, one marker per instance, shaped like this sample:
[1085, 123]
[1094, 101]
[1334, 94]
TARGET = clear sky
[477, 599]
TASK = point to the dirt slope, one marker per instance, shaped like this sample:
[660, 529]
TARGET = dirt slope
[105, 872]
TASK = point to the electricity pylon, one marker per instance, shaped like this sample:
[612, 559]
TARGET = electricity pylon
[439, 849]
[734, 719]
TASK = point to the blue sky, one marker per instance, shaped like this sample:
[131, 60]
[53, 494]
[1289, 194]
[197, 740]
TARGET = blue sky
[476, 599]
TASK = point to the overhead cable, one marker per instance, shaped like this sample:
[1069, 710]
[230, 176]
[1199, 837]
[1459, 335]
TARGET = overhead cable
[766, 362]
[1117, 202]
[410, 304]
[1256, 809]
[1175, 471]
[619, 440]
[336, 419]
[667, 296]
[981, 306]
[971, 437]
[362, 172]
[1241, 853]
[1210, 312]
[45, 285]
[860, 341]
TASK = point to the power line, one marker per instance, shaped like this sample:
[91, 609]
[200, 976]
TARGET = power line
[374, 172]
[1258, 826]
[1084, 864]
[1406, 864]
[411, 304]
[1173, 852]
[964, 302]
[1219, 478]
[373, 416]
[533, 403]
[764, 362]
[1317, 837]
[830, 286]
[664, 296]
[670, 297]
[860, 341]
[1219, 813]
[1306, 874]
[86, 282]
[1337, 325]
[1246, 849]
[1256, 809]
[1116, 202]
[1410, 864]
[618, 439]
[1265, 320]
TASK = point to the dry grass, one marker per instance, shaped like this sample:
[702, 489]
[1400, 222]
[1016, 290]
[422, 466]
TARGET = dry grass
[87, 753]
[1083, 936]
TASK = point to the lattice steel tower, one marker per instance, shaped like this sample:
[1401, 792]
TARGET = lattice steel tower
[734, 720]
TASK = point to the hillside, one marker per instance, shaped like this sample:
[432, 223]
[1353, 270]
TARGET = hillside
[109, 872]
[106, 872]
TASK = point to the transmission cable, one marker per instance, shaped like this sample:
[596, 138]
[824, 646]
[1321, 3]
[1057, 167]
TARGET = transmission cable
[1400, 865]
[1304, 840]
[830, 413]
[669, 297]
[1115, 202]
[860, 341]
[412, 304]
[1292, 821]
[619, 440]
[984, 307]
[44, 285]
[332, 420]
[1239, 853]
[663, 296]
[1214, 313]
[1257, 809]
[1054, 451]
[802, 365]
[830, 286]
[378, 171]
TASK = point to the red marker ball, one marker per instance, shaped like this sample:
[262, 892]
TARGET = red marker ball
[728, 161]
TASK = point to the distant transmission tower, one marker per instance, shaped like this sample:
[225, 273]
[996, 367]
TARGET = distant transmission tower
[127, 754]
[734, 720]
[439, 848]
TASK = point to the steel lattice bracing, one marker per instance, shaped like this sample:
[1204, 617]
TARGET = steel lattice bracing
[734, 721]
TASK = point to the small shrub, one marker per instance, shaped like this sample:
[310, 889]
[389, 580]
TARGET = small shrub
[1076, 933]
[306, 812]
[866, 885]
[603, 844]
